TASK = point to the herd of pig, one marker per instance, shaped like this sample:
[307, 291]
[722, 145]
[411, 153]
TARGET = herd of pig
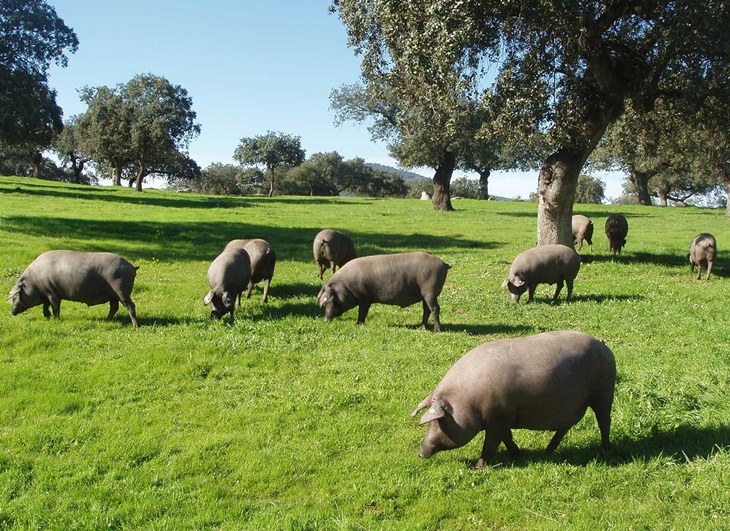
[541, 382]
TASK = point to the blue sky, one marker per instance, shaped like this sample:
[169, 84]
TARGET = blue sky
[249, 66]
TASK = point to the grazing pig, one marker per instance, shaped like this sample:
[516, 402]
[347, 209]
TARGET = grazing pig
[616, 230]
[702, 251]
[582, 231]
[228, 275]
[540, 382]
[91, 278]
[263, 260]
[332, 249]
[546, 264]
[399, 279]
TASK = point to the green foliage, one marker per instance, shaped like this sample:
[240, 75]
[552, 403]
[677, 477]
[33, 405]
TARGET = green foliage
[589, 190]
[270, 151]
[282, 420]
[145, 124]
[466, 188]
[228, 179]
[32, 37]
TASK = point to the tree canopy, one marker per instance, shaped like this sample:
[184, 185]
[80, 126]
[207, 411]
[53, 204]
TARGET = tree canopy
[32, 37]
[568, 70]
[146, 123]
[270, 151]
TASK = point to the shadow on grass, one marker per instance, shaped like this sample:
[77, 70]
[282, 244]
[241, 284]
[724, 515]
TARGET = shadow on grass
[176, 241]
[476, 330]
[683, 444]
[110, 194]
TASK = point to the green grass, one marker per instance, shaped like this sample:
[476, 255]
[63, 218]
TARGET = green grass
[284, 421]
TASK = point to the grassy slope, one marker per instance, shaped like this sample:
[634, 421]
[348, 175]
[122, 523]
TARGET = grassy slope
[283, 420]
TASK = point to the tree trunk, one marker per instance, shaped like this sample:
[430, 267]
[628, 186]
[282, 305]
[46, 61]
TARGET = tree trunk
[556, 189]
[271, 182]
[442, 182]
[117, 175]
[640, 180]
[726, 184]
[37, 160]
[140, 176]
[484, 184]
[662, 197]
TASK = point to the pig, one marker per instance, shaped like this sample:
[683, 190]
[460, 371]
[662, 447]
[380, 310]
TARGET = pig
[702, 250]
[228, 276]
[263, 261]
[398, 279]
[582, 231]
[540, 382]
[616, 230]
[546, 264]
[332, 249]
[91, 278]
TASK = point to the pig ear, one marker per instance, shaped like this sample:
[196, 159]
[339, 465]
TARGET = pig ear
[517, 281]
[426, 402]
[208, 298]
[14, 292]
[228, 298]
[439, 409]
[504, 284]
[321, 298]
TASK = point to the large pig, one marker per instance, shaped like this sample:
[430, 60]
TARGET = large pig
[702, 250]
[546, 264]
[263, 261]
[398, 279]
[582, 231]
[616, 230]
[228, 276]
[91, 278]
[332, 249]
[540, 382]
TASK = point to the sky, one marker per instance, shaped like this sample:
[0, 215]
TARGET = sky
[250, 66]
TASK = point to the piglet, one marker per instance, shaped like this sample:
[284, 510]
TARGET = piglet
[546, 264]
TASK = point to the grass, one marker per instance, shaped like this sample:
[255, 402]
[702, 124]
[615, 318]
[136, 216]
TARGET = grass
[284, 421]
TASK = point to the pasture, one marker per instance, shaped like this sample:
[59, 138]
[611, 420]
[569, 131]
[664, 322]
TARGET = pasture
[285, 421]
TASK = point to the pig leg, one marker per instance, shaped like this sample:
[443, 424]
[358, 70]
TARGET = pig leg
[603, 416]
[512, 448]
[709, 268]
[431, 308]
[531, 292]
[333, 267]
[249, 289]
[267, 283]
[46, 311]
[362, 311]
[322, 269]
[569, 284]
[555, 441]
[113, 308]
[699, 270]
[493, 437]
[55, 306]
[131, 310]
[557, 290]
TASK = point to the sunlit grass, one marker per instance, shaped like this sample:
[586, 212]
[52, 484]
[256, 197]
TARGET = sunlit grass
[282, 420]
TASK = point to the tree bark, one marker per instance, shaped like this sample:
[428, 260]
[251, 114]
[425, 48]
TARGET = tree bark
[37, 160]
[556, 189]
[484, 184]
[662, 195]
[442, 182]
[726, 184]
[140, 177]
[640, 180]
[117, 175]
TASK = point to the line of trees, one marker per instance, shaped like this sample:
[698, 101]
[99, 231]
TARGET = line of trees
[547, 81]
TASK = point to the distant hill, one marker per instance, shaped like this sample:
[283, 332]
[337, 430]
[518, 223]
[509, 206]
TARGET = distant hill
[406, 175]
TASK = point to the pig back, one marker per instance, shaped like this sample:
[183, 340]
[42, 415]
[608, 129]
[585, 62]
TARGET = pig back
[91, 278]
[540, 382]
[230, 271]
[401, 279]
[546, 264]
[261, 256]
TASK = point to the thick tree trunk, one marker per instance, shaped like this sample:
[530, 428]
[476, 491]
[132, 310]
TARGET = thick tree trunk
[557, 184]
[37, 160]
[640, 180]
[662, 197]
[726, 184]
[442, 182]
[484, 184]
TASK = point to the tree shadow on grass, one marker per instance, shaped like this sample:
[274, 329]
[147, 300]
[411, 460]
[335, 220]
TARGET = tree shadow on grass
[204, 240]
[475, 329]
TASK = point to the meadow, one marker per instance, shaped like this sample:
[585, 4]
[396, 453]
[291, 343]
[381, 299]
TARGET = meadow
[284, 421]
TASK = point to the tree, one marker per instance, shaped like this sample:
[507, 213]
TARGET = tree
[147, 123]
[32, 37]
[270, 151]
[589, 190]
[571, 70]
[67, 145]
